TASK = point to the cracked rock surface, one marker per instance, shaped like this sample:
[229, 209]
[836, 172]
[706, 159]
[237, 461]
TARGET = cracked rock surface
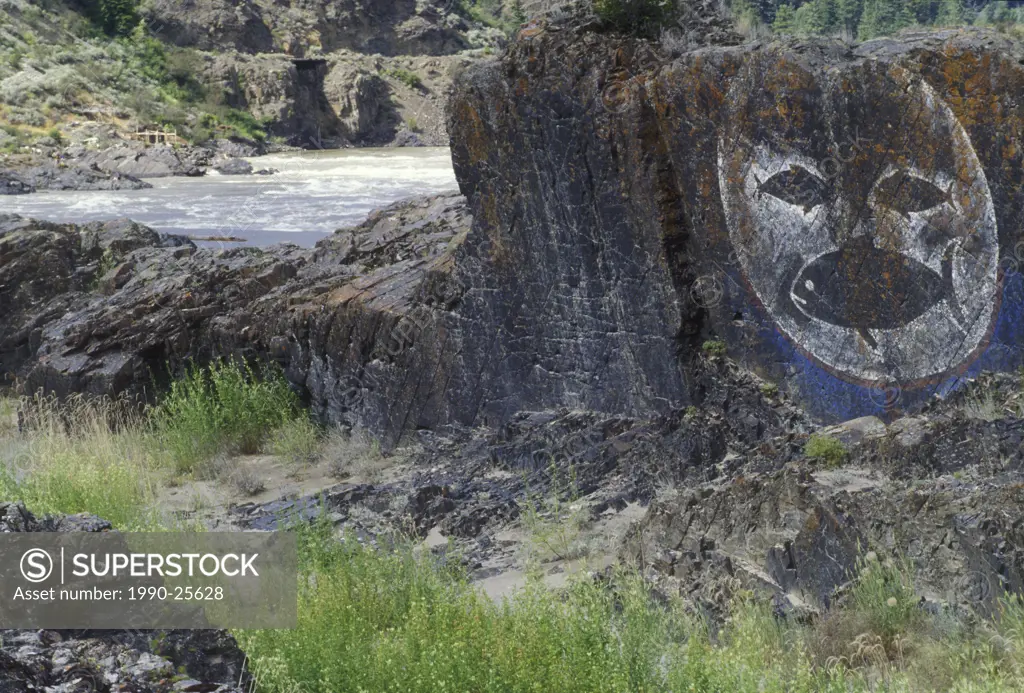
[135, 661]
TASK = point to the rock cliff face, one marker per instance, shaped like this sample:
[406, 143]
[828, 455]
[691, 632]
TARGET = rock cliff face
[342, 99]
[400, 27]
[846, 220]
[842, 220]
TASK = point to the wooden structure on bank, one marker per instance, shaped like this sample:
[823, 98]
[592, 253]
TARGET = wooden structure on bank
[155, 137]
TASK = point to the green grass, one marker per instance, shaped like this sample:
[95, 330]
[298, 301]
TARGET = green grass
[827, 449]
[19, 138]
[554, 525]
[107, 457]
[983, 406]
[884, 593]
[404, 620]
[102, 464]
[299, 441]
[225, 407]
[398, 621]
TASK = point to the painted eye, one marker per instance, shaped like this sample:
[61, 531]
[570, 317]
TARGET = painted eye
[796, 186]
[905, 193]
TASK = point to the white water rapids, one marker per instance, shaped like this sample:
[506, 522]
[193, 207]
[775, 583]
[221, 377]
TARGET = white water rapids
[314, 194]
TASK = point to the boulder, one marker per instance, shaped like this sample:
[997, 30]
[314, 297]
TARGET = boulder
[60, 177]
[11, 184]
[236, 147]
[232, 167]
[139, 161]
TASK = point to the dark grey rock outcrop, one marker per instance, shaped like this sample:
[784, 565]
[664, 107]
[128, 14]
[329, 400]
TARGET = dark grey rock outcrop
[101, 308]
[941, 489]
[232, 167]
[624, 213]
[844, 220]
[146, 661]
[11, 184]
[62, 177]
[396, 27]
[137, 160]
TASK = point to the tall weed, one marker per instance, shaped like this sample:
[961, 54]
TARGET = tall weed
[225, 407]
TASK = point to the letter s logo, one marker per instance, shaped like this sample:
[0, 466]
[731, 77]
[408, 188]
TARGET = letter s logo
[36, 565]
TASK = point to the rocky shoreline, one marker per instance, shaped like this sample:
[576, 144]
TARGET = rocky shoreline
[939, 486]
[118, 164]
[651, 281]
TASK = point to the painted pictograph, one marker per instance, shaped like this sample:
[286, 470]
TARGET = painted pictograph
[869, 234]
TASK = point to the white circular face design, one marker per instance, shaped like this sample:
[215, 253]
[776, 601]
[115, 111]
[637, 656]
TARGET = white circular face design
[874, 247]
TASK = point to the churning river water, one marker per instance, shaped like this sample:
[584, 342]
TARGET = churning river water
[313, 194]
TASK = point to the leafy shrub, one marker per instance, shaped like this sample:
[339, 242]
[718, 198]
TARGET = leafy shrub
[245, 481]
[12, 139]
[714, 347]
[406, 77]
[555, 526]
[114, 17]
[827, 449]
[148, 56]
[182, 68]
[225, 406]
[487, 12]
[354, 455]
[241, 123]
[15, 58]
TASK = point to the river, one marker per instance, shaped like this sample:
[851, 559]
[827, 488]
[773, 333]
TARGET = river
[313, 194]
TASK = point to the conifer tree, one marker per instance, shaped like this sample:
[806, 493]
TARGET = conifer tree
[115, 17]
[785, 20]
[883, 17]
[951, 13]
[812, 18]
[848, 14]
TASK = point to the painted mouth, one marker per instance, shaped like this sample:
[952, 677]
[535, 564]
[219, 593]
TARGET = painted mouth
[862, 287]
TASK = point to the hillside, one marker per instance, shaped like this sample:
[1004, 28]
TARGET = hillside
[317, 73]
[312, 74]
